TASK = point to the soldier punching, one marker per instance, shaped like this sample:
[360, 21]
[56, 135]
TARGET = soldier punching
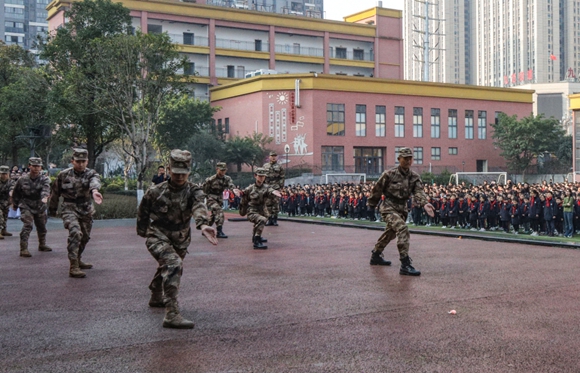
[164, 218]
[30, 194]
[213, 187]
[76, 185]
[256, 198]
[397, 185]
[6, 184]
[275, 177]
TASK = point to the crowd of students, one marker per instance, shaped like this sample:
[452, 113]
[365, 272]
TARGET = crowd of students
[546, 208]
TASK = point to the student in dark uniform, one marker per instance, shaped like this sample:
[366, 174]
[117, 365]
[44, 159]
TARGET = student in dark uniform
[473, 208]
[462, 212]
[453, 211]
[444, 212]
[482, 212]
[504, 214]
[550, 211]
[493, 213]
[515, 214]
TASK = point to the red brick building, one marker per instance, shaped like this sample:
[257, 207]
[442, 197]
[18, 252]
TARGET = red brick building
[352, 124]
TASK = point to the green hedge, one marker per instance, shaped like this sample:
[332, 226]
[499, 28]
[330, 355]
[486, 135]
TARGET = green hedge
[117, 206]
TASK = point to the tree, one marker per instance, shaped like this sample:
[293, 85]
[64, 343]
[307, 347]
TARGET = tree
[522, 141]
[261, 151]
[23, 110]
[72, 64]
[136, 76]
[181, 118]
[207, 149]
[240, 150]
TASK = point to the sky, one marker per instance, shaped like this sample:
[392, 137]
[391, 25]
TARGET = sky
[337, 9]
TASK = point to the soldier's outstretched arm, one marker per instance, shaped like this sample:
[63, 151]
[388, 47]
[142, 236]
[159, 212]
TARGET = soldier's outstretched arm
[143, 218]
[209, 233]
[54, 196]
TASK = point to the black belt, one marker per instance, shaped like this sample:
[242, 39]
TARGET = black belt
[77, 200]
[170, 226]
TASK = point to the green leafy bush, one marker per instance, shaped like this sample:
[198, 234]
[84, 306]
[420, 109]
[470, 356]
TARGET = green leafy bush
[117, 206]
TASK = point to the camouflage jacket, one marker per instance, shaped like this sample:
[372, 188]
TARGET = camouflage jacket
[256, 197]
[5, 187]
[276, 175]
[214, 186]
[75, 188]
[169, 208]
[28, 193]
[397, 186]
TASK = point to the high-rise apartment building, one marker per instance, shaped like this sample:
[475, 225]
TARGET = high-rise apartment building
[22, 20]
[500, 43]
[303, 8]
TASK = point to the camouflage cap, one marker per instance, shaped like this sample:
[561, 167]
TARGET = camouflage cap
[4, 170]
[273, 153]
[405, 152]
[261, 172]
[222, 166]
[35, 161]
[80, 154]
[179, 161]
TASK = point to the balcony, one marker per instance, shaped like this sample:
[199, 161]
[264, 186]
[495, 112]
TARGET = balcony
[299, 50]
[355, 55]
[201, 41]
[242, 45]
[222, 72]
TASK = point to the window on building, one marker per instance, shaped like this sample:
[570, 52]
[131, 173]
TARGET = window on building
[231, 71]
[332, 158]
[468, 124]
[361, 120]
[435, 123]
[258, 45]
[435, 154]
[220, 127]
[417, 122]
[453, 151]
[368, 160]
[497, 113]
[418, 155]
[340, 52]
[188, 38]
[452, 123]
[482, 125]
[335, 119]
[358, 54]
[154, 29]
[227, 126]
[397, 149]
[399, 121]
[380, 121]
[189, 68]
[241, 71]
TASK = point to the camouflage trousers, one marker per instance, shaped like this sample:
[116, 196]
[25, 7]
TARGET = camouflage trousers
[396, 227]
[28, 218]
[79, 228]
[3, 216]
[273, 206]
[259, 221]
[217, 213]
[169, 249]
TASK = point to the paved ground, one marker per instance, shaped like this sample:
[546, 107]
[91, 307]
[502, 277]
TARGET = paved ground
[310, 303]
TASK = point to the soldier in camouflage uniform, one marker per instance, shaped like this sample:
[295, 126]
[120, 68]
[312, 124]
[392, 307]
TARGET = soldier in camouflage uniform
[164, 218]
[31, 193]
[76, 185]
[213, 187]
[5, 185]
[397, 185]
[275, 179]
[254, 201]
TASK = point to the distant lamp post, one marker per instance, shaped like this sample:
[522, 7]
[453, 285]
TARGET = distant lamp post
[287, 151]
[463, 166]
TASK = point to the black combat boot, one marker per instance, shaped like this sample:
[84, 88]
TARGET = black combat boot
[220, 233]
[258, 245]
[262, 240]
[270, 221]
[275, 220]
[407, 269]
[377, 259]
